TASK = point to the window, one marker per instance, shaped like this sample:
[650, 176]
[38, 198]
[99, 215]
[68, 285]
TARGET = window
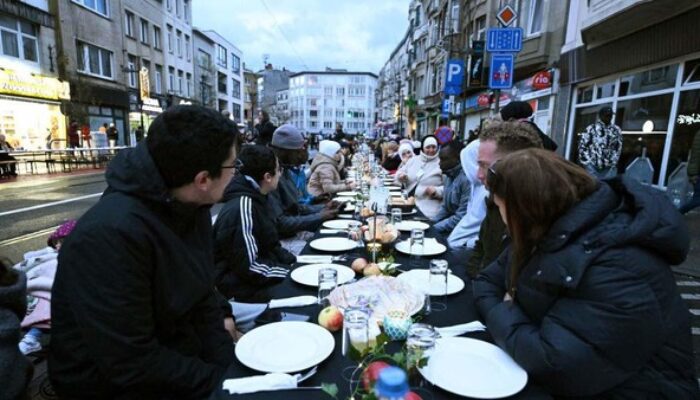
[328, 125]
[530, 16]
[236, 112]
[144, 31]
[186, 10]
[131, 74]
[188, 53]
[189, 84]
[180, 82]
[178, 9]
[169, 5]
[98, 6]
[235, 64]
[94, 60]
[18, 39]
[178, 43]
[235, 88]
[159, 79]
[171, 79]
[221, 54]
[170, 39]
[418, 10]
[455, 18]
[649, 80]
[221, 81]
[129, 24]
[480, 31]
[328, 91]
[204, 59]
[340, 91]
[313, 113]
[156, 37]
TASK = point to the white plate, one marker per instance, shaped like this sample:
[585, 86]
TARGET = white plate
[394, 187]
[347, 194]
[333, 244]
[284, 347]
[473, 368]
[308, 274]
[340, 224]
[344, 199]
[420, 279]
[408, 226]
[346, 216]
[431, 247]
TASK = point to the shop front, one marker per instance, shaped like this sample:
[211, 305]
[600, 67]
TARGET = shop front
[143, 114]
[95, 105]
[656, 107]
[31, 116]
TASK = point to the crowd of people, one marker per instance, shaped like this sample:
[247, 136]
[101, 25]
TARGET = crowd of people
[145, 297]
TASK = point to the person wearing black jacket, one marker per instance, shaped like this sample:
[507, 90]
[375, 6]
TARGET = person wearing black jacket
[248, 253]
[585, 299]
[264, 129]
[521, 111]
[134, 310]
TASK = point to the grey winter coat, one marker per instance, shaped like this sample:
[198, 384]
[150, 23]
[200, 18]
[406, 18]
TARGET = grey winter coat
[455, 194]
[325, 176]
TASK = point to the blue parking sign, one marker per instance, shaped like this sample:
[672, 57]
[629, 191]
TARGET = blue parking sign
[501, 72]
[445, 108]
[454, 76]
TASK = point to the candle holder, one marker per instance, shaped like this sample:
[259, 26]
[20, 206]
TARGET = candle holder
[396, 324]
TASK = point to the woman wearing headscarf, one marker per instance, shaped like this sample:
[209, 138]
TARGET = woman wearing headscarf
[422, 177]
[406, 152]
[325, 170]
[584, 298]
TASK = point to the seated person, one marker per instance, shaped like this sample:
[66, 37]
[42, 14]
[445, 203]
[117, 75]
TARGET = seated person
[15, 369]
[325, 170]
[134, 312]
[584, 298]
[9, 168]
[422, 177]
[391, 159]
[247, 250]
[455, 192]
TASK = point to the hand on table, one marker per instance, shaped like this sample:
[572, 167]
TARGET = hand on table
[230, 327]
[329, 213]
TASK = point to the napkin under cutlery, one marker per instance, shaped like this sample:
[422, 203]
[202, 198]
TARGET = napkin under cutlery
[309, 259]
[456, 330]
[297, 301]
[331, 231]
[260, 383]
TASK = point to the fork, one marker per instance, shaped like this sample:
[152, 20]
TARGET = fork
[308, 374]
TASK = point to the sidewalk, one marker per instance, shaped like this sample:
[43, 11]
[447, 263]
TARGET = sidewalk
[27, 180]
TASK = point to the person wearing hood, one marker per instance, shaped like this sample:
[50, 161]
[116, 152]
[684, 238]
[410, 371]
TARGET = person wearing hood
[422, 178]
[406, 152]
[134, 310]
[464, 235]
[521, 111]
[325, 170]
[247, 250]
[497, 141]
[456, 191]
[584, 299]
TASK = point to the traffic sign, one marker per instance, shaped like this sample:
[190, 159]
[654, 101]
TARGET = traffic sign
[454, 77]
[501, 72]
[504, 39]
[445, 108]
[506, 15]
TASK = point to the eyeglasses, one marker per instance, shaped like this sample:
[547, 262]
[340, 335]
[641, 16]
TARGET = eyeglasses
[237, 165]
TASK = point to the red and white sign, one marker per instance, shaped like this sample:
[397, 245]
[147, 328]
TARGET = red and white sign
[483, 100]
[542, 80]
[506, 15]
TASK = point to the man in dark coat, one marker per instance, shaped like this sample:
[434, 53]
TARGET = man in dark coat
[264, 129]
[248, 253]
[521, 111]
[597, 314]
[134, 309]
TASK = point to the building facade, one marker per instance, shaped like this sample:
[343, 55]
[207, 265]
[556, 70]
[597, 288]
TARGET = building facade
[643, 60]
[318, 100]
[205, 72]
[270, 81]
[177, 51]
[393, 89]
[227, 74]
[250, 104]
[32, 99]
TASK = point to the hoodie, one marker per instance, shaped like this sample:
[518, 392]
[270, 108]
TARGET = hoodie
[598, 296]
[466, 232]
[134, 309]
[248, 253]
[455, 194]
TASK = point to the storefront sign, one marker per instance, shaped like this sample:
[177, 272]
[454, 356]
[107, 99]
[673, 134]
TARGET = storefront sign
[542, 80]
[30, 85]
[483, 100]
[151, 105]
[689, 119]
[144, 83]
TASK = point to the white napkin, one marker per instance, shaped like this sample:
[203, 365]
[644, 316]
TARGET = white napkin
[456, 330]
[260, 383]
[298, 301]
[330, 231]
[314, 259]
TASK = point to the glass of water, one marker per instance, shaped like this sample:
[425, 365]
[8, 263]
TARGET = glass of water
[327, 281]
[420, 343]
[396, 216]
[417, 242]
[439, 272]
[355, 234]
[356, 331]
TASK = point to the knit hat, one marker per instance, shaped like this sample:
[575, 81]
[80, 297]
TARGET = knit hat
[405, 147]
[328, 147]
[62, 231]
[287, 137]
[516, 110]
[429, 141]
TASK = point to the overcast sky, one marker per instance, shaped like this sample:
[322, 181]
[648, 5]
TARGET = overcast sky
[358, 35]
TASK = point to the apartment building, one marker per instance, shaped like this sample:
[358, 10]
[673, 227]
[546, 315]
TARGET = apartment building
[318, 100]
[178, 48]
[250, 104]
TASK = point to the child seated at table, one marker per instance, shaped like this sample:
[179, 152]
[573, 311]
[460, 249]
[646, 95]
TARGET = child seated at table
[247, 249]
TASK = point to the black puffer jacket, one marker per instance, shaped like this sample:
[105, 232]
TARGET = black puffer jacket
[289, 216]
[597, 312]
[134, 309]
[247, 250]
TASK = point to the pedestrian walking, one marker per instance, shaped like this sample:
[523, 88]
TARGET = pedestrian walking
[134, 309]
[600, 146]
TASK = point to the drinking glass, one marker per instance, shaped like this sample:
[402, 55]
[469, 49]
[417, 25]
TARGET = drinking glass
[396, 216]
[355, 234]
[356, 331]
[439, 271]
[327, 281]
[417, 242]
[420, 343]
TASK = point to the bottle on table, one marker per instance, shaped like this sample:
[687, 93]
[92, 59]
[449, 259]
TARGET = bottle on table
[392, 384]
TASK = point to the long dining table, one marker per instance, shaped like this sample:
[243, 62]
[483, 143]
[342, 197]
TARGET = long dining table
[460, 309]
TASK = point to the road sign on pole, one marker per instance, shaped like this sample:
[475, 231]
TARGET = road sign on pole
[445, 112]
[501, 71]
[454, 75]
[506, 15]
[504, 40]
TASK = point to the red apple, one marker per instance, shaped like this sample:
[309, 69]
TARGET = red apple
[412, 396]
[371, 373]
[331, 318]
